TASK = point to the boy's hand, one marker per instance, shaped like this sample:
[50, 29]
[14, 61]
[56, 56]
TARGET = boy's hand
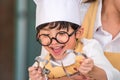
[86, 66]
[35, 73]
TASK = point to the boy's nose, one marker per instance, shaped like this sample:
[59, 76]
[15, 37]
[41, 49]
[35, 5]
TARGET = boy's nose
[54, 41]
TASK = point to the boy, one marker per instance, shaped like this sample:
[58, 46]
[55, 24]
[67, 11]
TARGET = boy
[58, 30]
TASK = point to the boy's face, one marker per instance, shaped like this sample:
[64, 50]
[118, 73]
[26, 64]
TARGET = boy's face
[57, 49]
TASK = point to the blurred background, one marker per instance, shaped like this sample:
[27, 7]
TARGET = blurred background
[18, 46]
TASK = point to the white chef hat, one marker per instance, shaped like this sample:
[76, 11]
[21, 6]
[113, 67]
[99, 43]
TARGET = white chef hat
[57, 10]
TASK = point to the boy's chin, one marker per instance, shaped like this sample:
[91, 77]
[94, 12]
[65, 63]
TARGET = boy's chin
[59, 57]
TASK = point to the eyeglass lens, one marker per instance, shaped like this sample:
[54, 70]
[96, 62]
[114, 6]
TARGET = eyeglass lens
[61, 37]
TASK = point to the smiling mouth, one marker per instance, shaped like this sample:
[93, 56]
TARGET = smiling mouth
[57, 50]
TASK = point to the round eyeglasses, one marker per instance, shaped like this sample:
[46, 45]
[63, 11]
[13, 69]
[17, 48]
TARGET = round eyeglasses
[61, 37]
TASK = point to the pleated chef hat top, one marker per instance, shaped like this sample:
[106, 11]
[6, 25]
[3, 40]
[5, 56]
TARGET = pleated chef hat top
[57, 10]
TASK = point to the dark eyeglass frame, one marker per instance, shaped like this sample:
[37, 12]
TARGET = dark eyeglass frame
[69, 35]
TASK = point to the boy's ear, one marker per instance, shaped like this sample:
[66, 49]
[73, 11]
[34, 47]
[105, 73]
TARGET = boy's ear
[79, 33]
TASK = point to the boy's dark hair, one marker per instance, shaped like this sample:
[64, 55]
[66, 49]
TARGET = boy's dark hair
[62, 24]
[88, 1]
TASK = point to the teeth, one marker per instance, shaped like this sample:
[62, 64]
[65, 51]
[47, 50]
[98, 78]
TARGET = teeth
[57, 49]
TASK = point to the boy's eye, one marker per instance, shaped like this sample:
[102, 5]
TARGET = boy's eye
[62, 33]
[45, 34]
